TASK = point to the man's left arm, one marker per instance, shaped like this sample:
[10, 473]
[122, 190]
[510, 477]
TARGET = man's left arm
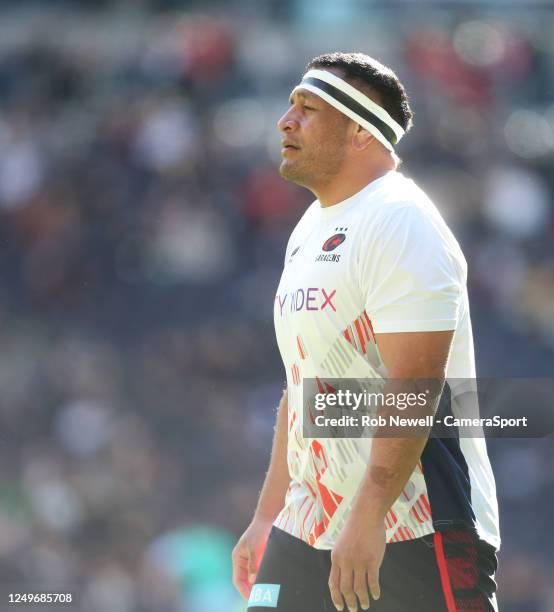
[359, 549]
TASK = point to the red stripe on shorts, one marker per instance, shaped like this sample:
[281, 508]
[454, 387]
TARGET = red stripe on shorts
[443, 570]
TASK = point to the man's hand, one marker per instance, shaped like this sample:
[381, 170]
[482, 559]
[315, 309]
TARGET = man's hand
[248, 553]
[355, 562]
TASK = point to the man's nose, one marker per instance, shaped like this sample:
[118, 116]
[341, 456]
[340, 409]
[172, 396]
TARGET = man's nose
[287, 122]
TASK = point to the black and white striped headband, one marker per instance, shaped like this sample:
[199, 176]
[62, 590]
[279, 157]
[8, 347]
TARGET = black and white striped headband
[354, 104]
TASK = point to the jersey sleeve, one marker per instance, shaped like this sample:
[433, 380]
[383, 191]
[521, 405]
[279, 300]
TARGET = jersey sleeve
[412, 274]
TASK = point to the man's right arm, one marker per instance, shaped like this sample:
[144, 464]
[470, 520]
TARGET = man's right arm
[249, 550]
[277, 480]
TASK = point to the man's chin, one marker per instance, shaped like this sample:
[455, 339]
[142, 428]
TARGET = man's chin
[289, 172]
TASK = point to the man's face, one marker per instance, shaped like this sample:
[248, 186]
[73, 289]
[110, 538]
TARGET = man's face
[314, 137]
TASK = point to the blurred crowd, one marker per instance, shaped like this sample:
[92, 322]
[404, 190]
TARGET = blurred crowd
[142, 232]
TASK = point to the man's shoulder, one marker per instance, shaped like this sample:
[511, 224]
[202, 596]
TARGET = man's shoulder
[399, 201]
[402, 216]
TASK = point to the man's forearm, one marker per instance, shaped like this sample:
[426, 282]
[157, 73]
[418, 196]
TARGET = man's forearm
[392, 462]
[277, 480]
[393, 457]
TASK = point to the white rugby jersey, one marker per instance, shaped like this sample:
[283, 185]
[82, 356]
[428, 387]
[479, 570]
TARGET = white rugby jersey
[381, 261]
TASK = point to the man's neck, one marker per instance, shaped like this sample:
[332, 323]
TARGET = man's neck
[344, 186]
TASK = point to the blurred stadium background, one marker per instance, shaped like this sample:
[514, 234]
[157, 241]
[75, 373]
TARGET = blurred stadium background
[142, 231]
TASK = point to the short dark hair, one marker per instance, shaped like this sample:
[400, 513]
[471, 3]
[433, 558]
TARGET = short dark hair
[379, 81]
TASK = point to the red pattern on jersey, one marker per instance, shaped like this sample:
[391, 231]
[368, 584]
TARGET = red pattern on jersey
[402, 534]
[360, 333]
[293, 418]
[423, 502]
[329, 500]
[390, 519]
[301, 348]
[368, 322]
[324, 387]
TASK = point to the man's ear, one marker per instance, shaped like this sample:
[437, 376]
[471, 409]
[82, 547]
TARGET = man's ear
[362, 138]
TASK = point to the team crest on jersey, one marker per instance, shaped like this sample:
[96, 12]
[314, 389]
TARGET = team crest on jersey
[332, 243]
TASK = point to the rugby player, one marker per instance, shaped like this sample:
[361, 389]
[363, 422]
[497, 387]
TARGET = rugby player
[373, 281]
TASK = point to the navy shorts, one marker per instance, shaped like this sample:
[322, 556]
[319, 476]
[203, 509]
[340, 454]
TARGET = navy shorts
[451, 571]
